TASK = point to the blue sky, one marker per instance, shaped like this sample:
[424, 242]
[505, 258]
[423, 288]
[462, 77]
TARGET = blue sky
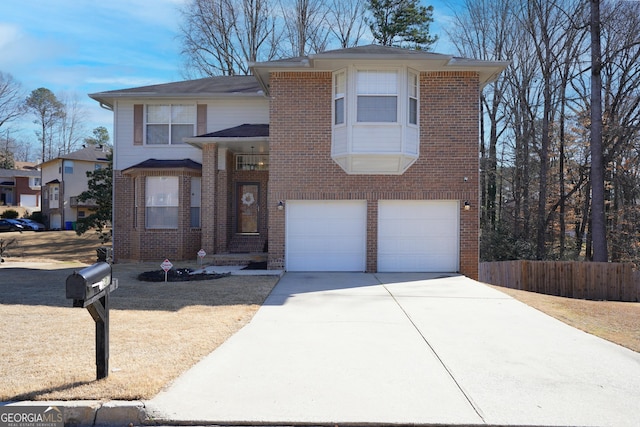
[79, 47]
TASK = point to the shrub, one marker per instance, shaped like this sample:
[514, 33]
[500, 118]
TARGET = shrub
[10, 214]
[36, 216]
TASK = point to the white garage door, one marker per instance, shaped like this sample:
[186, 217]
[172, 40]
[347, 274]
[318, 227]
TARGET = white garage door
[418, 235]
[325, 235]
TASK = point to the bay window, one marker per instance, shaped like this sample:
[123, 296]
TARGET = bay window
[375, 119]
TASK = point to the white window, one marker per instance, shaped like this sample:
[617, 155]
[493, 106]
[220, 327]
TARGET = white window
[162, 202]
[377, 96]
[413, 98]
[376, 114]
[168, 124]
[339, 92]
[196, 185]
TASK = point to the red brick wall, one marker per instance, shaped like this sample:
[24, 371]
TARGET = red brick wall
[301, 167]
[22, 187]
[131, 240]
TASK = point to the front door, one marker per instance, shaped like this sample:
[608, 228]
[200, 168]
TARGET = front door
[247, 198]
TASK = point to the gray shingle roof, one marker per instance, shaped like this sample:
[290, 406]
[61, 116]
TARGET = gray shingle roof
[210, 86]
[88, 154]
[242, 131]
[166, 164]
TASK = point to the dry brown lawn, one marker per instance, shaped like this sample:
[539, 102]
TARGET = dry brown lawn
[157, 330]
[618, 322]
[160, 330]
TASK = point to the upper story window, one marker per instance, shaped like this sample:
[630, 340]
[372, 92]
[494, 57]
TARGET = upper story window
[377, 96]
[376, 114]
[168, 124]
[68, 166]
[413, 98]
[339, 93]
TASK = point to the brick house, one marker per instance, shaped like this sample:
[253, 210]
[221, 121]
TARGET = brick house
[20, 186]
[360, 159]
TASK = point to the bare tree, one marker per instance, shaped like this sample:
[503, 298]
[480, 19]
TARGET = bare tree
[598, 224]
[482, 31]
[221, 37]
[11, 98]
[71, 127]
[346, 22]
[305, 26]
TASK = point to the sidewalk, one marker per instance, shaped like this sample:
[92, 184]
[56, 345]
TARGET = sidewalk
[404, 348]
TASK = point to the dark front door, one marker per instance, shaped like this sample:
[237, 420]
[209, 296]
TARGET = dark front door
[248, 210]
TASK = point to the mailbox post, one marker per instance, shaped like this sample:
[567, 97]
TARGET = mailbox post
[90, 288]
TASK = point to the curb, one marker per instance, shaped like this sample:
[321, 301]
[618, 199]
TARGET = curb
[95, 413]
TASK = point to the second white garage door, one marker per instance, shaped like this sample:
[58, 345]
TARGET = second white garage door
[324, 235]
[418, 235]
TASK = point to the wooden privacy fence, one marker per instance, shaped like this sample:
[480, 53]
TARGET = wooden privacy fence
[572, 279]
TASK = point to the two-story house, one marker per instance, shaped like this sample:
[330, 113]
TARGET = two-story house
[20, 186]
[360, 159]
[65, 178]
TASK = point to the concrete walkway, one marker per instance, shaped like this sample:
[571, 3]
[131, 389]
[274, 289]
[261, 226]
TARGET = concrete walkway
[405, 348]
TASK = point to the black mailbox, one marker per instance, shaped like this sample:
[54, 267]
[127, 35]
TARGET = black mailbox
[89, 284]
[90, 288]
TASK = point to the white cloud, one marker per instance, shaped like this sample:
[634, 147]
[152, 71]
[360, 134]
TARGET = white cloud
[8, 34]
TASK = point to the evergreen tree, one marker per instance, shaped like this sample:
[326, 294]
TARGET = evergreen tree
[402, 23]
[100, 191]
[100, 137]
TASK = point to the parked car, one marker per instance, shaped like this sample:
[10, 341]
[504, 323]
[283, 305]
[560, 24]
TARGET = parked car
[30, 224]
[10, 225]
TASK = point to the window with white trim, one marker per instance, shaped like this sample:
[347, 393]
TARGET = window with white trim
[168, 124]
[376, 115]
[161, 199]
[339, 93]
[377, 96]
[413, 97]
[196, 185]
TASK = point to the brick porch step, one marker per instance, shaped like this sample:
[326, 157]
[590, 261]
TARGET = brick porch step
[244, 243]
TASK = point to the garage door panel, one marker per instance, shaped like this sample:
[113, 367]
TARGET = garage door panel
[326, 235]
[418, 235]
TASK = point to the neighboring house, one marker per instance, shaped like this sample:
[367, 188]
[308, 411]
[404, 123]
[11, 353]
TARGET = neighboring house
[65, 178]
[360, 159]
[20, 186]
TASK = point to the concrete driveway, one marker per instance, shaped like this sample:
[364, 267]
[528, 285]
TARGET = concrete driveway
[405, 349]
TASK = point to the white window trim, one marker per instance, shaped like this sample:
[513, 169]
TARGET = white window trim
[411, 73]
[169, 203]
[351, 96]
[146, 123]
[340, 95]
